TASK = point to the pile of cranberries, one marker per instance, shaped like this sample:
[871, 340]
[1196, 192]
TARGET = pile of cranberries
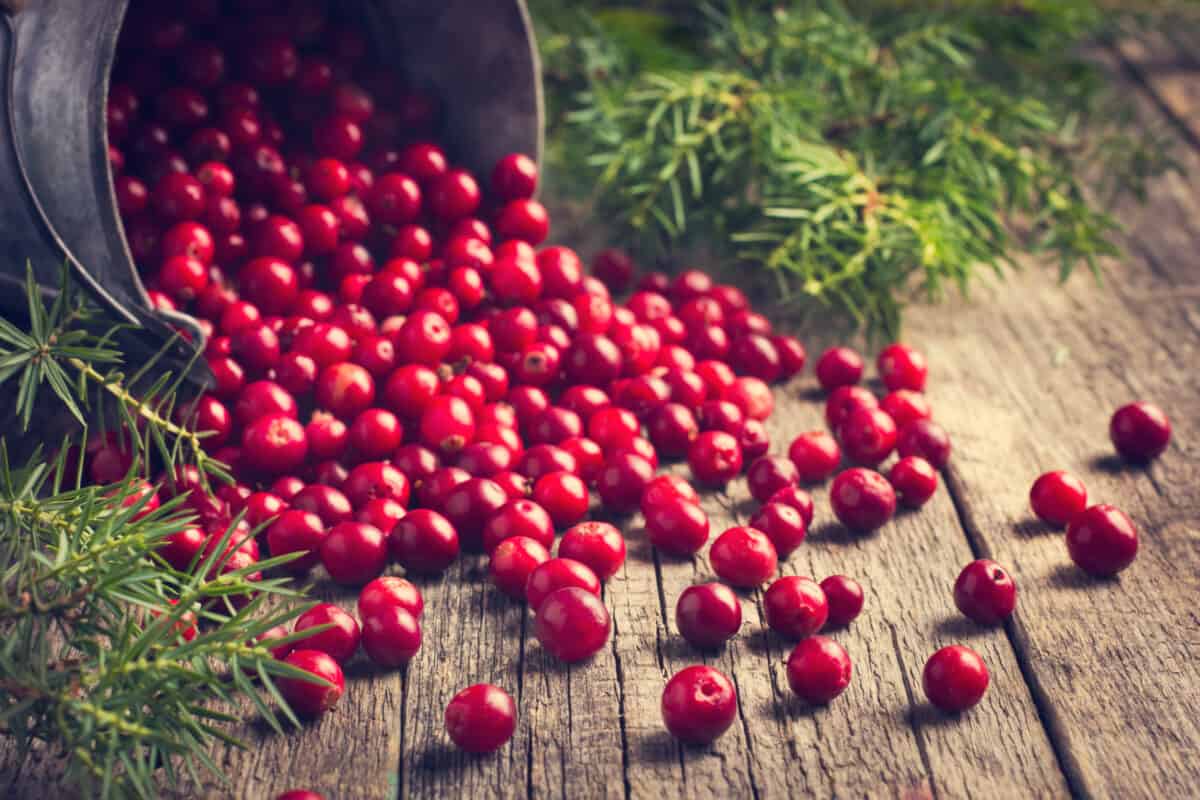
[404, 372]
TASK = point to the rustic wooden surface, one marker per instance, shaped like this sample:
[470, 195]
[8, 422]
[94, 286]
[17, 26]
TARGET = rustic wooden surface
[1094, 683]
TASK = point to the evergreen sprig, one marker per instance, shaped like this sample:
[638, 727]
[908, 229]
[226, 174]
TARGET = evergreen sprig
[855, 151]
[93, 662]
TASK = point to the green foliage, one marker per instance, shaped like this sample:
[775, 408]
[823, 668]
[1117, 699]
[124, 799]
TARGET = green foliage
[852, 151]
[92, 660]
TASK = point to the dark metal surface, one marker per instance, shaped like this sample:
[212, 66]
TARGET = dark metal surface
[476, 56]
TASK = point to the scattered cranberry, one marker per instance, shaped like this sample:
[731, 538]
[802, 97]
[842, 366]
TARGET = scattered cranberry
[470, 505]
[906, 406]
[1056, 497]
[839, 366]
[513, 560]
[699, 704]
[481, 718]
[708, 615]
[424, 541]
[274, 444]
[845, 598]
[914, 480]
[715, 457]
[340, 641]
[598, 545]
[564, 495]
[555, 574]
[769, 475]
[354, 553]
[296, 532]
[818, 669]
[844, 401]
[798, 499]
[676, 525]
[518, 518]
[985, 592]
[391, 636]
[927, 439]
[743, 557]
[955, 678]
[622, 481]
[1102, 540]
[868, 435]
[816, 456]
[795, 607]
[862, 499]
[1140, 432]
[665, 487]
[305, 697]
[572, 624]
[390, 591]
[783, 524]
[901, 367]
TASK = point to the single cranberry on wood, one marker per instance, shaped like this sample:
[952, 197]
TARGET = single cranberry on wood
[955, 678]
[708, 615]
[424, 542]
[699, 704]
[1056, 497]
[339, 641]
[572, 624]
[1102, 540]
[512, 561]
[816, 456]
[598, 545]
[1140, 432]
[481, 718]
[985, 592]
[795, 607]
[743, 557]
[783, 524]
[845, 598]
[306, 697]
[862, 499]
[818, 669]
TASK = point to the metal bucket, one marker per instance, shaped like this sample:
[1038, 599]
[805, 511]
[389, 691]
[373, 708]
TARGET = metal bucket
[478, 57]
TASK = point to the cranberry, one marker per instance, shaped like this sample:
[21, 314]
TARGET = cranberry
[699, 704]
[375, 433]
[299, 794]
[985, 592]
[345, 389]
[453, 195]
[752, 396]
[768, 475]
[395, 199]
[708, 615]
[440, 483]
[844, 401]
[447, 424]
[615, 268]
[927, 439]
[593, 358]
[514, 176]
[183, 278]
[839, 366]
[783, 524]
[553, 425]
[261, 399]
[715, 457]
[325, 343]
[955, 678]
[489, 453]
[564, 495]
[754, 440]
[305, 697]
[481, 718]
[470, 505]
[816, 456]
[339, 641]
[667, 487]
[1056, 497]
[375, 479]
[795, 607]
[914, 480]
[677, 526]
[327, 436]
[612, 427]
[354, 553]
[672, 427]
[390, 591]
[423, 339]
[558, 573]
[274, 444]
[326, 502]
[845, 598]
[589, 458]
[622, 481]
[256, 347]
[513, 560]
[382, 512]
[901, 367]
[743, 557]
[181, 549]
[424, 541]
[1140, 432]
[597, 545]
[818, 670]
[518, 518]
[287, 487]
[572, 624]
[906, 406]
[868, 435]
[792, 355]
[1102, 540]
[410, 390]
[862, 499]
[391, 635]
[757, 356]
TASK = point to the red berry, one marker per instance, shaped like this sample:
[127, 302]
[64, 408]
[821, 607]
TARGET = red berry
[839, 366]
[518, 518]
[181, 549]
[985, 592]
[914, 480]
[666, 487]
[340, 641]
[708, 615]
[183, 278]
[345, 389]
[901, 367]
[453, 195]
[1140, 432]
[423, 339]
[744, 557]
[955, 678]
[862, 499]
[767, 475]
[927, 439]
[391, 636]
[424, 541]
[845, 598]
[515, 176]
[354, 553]
[597, 545]
[338, 137]
[1056, 497]
[783, 524]
[715, 457]
[390, 591]
[868, 435]
[677, 526]
[376, 479]
[622, 481]
[615, 268]
[564, 495]
[297, 531]
[753, 439]
[447, 424]
[752, 396]
[307, 698]
[375, 433]
[795, 607]
[513, 560]
[572, 624]
[792, 355]
[1102, 540]
[481, 718]
[559, 573]
[470, 505]
[756, 355]
[816, 456]
[382, 512]
[818, 669]
[906, 406]
[523, 219]
[395, 199]
[274, 444]
[699, 704]
[844, 401]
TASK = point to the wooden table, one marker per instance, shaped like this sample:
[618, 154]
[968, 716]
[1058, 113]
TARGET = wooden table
[1095, 683]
